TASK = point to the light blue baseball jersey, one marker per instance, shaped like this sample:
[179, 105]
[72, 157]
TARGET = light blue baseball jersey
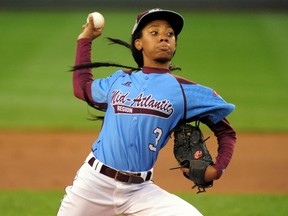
[142, 109]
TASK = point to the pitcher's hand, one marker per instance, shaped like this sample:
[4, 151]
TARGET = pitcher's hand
[89, 31]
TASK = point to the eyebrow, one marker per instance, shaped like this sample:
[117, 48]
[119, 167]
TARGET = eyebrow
[154, 25]
[157, 25]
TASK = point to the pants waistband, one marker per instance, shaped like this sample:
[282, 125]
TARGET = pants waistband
[134, 178]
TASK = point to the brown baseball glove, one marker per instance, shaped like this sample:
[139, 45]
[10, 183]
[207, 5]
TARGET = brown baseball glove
[191, 152]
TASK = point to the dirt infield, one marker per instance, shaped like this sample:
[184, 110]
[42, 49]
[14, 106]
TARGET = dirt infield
[49, 160]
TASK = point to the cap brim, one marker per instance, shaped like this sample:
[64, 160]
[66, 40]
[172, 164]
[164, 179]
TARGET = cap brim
[174, 19]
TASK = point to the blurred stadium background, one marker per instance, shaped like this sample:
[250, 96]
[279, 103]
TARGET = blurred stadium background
[187, 4]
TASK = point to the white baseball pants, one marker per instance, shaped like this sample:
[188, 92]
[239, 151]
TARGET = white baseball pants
[94, 194]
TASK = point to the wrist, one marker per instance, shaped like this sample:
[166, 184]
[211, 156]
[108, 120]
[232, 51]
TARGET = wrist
[210, 174]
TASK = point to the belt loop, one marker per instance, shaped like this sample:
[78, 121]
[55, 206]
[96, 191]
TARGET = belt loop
[93, 163]
[116, 175]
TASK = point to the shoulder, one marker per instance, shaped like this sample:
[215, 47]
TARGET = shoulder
[182, 80]
[120, 73]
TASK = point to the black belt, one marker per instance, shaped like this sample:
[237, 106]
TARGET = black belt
[121, 176]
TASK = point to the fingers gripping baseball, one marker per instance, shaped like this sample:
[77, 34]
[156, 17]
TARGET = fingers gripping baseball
[93, 27]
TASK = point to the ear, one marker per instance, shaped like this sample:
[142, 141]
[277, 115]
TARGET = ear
[138, 44]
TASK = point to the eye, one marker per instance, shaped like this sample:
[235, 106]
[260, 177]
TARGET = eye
[170, 34]
[154, 32]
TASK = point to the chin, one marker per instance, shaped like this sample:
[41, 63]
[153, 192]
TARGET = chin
[163, 60]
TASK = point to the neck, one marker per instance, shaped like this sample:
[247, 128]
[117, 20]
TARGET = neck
[157, 63]
[148, 70]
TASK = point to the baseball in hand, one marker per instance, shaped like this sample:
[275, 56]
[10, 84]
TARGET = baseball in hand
[98, 19]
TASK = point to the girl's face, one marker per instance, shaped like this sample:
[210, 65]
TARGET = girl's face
[157, 43]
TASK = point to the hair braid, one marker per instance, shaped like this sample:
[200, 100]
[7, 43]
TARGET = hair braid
[137, 55]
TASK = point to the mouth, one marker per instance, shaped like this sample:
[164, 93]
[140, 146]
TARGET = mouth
[164, 47]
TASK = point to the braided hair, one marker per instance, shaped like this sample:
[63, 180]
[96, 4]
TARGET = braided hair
[137, 55]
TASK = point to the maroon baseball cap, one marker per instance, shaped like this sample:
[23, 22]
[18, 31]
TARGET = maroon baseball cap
[173, 18]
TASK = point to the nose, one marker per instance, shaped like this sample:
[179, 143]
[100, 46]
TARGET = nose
[163, 37]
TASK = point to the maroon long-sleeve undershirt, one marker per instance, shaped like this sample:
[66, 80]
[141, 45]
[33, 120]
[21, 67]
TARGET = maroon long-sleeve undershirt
[82, 79]
[226, 138]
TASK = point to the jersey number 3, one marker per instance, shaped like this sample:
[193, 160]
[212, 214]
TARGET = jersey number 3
[158, 132]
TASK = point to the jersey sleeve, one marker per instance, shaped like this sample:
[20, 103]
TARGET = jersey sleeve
[204, 102]
[101, 87]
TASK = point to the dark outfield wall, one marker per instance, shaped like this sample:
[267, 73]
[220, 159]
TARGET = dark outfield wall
[189, 4]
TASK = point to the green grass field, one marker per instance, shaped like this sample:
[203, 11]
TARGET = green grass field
[32, 203]
[242, 56]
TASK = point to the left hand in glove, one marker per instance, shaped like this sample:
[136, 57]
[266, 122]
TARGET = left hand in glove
[193, 156]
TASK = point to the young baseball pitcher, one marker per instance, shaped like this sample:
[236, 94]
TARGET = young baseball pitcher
[142, 107]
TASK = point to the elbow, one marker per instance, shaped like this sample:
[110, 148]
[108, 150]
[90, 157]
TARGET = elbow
[77, 90]
[76, 94]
